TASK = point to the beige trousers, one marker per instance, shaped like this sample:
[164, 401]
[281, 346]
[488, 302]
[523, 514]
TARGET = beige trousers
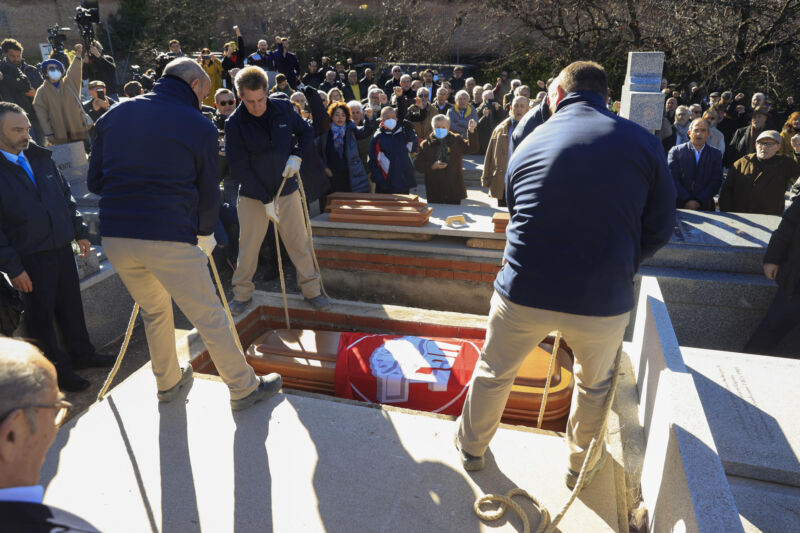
[253, 224]
[513, 331]
[155, 272]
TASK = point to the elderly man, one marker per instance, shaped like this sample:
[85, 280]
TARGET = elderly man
[461, 114]
[354, 90]
[491, 114]
[330, 81]
[420, 113]
[261, 57]
[57, 102]
[757, 182]
[394, 81]
[614, 174]
[368, 78]
[39, 222]
[440, 159]
[440, 105]
[362, 117]
[31, 411]
[696, 168]
[744, 139]
[715, 137]
[157, 218]
[683, 116]
[389, 160]
[499, 151]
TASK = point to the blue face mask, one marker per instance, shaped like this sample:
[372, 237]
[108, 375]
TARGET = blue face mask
[389, 123]
[440, 133]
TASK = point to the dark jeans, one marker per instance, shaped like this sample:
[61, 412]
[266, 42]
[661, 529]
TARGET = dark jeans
[782, 317]
[56, 295]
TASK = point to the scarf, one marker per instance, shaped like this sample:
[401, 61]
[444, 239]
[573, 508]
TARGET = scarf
[441, 148]
[464, 112]
[682, 133]
[338, 137]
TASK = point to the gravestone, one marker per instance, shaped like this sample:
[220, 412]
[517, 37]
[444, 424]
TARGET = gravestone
[71, 160]
[642, 100]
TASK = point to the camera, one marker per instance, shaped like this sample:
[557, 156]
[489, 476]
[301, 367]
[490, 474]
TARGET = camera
[101, 94]
[86, 15]
[56, 38]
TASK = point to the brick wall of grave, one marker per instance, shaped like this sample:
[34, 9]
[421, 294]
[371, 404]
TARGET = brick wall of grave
[408, 265]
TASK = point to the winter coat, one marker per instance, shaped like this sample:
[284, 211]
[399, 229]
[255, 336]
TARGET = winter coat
[164, 185]
[102, 69]
[349, 95]
[257, 148]
[420, 118]
[314, 80]
[287, 65]
[487, 124]
[35, 218]
[445, 186]
[257, 59]
[214, 71]
[696, 181]
[459, 122]
[756, 186]
[14, 87]
[742, 144]
[532, 120]
[440, 110]
[392, 148]
[587, 205]
[717, 140]
[59, 110]
[786, 141]
[784, 250]
[356, 173]
[496, 162]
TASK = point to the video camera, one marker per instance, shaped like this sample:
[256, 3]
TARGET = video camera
[56, 38]
[86, 15]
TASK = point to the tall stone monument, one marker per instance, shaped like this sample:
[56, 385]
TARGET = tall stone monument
[642, 100]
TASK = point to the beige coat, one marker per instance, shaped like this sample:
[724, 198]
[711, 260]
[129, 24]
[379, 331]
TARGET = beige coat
[58, 110]
[494, 166]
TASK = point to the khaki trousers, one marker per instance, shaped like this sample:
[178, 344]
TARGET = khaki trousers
[513, 331]
[253, 224]
[155, 272]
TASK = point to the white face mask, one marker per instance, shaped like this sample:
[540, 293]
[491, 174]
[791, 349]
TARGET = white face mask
[54, 75]
[389, 123]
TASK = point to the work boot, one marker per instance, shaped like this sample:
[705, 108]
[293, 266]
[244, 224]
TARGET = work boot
[268, 386]
[468, 461]
[187, 378]
[319, 302]
[237, 306]
[572, 476]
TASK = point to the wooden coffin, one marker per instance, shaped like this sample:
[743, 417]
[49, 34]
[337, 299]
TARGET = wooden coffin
[500, 221]
[306, 360]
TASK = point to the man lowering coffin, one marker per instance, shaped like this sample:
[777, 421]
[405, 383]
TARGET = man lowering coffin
[587, 205]
[154, 164]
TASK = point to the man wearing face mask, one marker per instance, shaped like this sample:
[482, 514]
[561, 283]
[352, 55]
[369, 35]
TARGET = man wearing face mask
[440, 159]
[158, 209]
[389, 160]
[57, 101]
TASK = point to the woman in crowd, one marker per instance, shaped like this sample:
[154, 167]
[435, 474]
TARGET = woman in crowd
[213, 68]
[440, 158]
[461, 114]
[790, 129]
[335, 96]
[338, 149]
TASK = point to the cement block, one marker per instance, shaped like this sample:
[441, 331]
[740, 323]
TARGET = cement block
[295, 463]
[766, 506]
[747, 400]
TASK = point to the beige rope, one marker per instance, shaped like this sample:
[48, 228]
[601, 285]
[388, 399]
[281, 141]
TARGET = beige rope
[549, 374]
[594, 446]
[121, 354]
[225, 303]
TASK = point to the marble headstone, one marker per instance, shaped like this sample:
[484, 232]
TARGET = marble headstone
[71, 160]
[642, 100]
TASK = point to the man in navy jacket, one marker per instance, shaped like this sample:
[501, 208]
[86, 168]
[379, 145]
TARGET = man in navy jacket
[696, 168]
[38, 222]
[264, 141]
[590, 196]
[154, 164]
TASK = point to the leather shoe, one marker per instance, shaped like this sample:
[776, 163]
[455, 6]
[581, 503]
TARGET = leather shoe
[72, 382]
[94, 361]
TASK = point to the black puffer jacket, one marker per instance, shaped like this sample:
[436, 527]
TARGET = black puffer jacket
[784, 251]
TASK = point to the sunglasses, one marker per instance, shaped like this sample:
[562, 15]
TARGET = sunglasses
[227, 102]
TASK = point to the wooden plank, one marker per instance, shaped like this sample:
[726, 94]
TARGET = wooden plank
[486, 244]
[369, 234]
[371, 196]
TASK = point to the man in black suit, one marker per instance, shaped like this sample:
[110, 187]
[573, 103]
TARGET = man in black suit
[31, 410]
[38, 224]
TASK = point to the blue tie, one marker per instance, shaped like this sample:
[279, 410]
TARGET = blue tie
[21, 161]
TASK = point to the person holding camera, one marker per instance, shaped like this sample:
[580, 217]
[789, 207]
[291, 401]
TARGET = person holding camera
[100, 101]
[100, 67]
[213, 68]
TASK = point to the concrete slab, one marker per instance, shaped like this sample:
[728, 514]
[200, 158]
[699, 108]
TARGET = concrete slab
[766, 506]
[748, 402]
[294, 463]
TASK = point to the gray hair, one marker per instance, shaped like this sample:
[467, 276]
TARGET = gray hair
[516, 83]
[423, 90]
[355, 104]
[375, 92]
[519, 99]
[187, 70]
[442, 90]
[405, 77]
[484, 94]
[462, 92]
[466, 82]
[439, 118]
[21, 381]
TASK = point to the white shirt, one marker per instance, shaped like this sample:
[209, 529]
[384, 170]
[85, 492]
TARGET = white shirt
[30, 494]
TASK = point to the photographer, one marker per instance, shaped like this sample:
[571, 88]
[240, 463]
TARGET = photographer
[99, 103]
[213, 68]
[15, 86]
[233, 59]
[100, 67]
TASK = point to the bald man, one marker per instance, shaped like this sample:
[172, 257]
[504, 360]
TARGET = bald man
[154, 164]
[31, 410]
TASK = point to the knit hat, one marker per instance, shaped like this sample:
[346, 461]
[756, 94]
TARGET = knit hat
[47, 63]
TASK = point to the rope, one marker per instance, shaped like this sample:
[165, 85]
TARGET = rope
[121, 354]
[547, 383]
[225, 303]
[544, 524]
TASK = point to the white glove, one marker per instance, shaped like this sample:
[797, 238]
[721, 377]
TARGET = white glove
[272, 211]
[207, 243]
[292, 167]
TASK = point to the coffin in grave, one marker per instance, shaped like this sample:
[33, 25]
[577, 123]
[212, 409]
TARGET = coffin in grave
[423, 373]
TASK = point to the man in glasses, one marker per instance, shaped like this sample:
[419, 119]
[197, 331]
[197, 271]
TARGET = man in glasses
[31, 410]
